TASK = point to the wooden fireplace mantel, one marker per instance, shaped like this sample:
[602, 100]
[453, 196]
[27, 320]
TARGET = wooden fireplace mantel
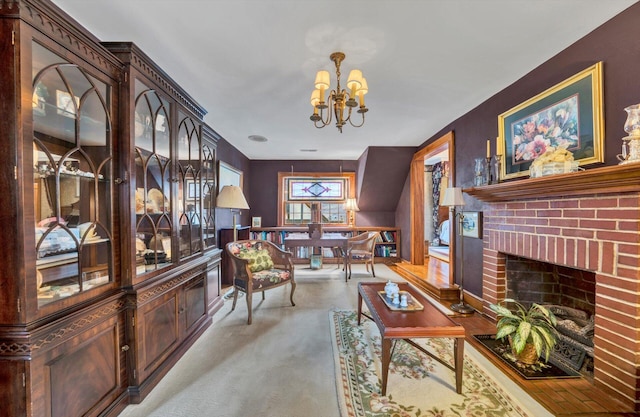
[606, 180]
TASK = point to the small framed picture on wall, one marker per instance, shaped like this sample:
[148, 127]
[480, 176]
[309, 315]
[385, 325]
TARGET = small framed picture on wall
[256, 222]
[472, 224]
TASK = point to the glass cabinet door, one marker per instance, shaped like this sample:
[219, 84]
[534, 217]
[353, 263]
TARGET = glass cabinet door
[152, 133]
[189, 187]
[209, 195]
[72, 169]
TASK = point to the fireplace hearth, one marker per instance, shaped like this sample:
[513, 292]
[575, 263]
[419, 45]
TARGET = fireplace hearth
[588, 221]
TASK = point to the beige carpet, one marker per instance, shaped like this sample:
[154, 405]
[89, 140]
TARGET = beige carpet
[282, 365]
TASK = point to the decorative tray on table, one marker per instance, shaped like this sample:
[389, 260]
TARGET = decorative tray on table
[412, 304]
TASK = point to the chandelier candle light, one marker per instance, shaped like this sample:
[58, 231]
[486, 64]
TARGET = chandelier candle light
[453, 198]
[338, 99]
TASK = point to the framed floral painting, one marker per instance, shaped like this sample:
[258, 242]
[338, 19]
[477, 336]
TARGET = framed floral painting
[568, 115]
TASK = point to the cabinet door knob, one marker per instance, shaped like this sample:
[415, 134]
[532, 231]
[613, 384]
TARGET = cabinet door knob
[125, 348]
[119, 181]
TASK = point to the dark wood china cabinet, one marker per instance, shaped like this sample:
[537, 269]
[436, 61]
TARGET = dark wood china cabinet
[110, 266]
[166, 261]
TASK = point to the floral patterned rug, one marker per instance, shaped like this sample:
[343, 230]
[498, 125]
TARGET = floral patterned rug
[417, 384]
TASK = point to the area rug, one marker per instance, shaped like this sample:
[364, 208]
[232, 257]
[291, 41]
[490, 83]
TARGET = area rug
[417, 384]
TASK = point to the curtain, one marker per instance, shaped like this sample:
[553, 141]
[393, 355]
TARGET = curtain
[437, 174]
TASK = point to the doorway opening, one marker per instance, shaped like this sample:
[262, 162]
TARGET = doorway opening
[427, 218]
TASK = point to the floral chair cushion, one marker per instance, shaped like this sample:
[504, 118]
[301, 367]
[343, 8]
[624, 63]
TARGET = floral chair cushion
[266, 278]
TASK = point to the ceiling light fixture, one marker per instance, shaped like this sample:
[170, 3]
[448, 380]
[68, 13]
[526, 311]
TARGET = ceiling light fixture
[257, 138]
[338, 99]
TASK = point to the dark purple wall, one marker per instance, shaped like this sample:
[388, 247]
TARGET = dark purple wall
[263, 182]
[616, 44]
[233, 157]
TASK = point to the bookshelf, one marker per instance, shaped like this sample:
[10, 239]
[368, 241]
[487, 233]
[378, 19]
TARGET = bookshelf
[387, 246]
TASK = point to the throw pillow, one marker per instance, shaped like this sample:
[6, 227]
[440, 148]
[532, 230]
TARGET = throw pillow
[259, 260]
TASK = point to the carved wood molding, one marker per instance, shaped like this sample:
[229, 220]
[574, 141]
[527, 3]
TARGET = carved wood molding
[54, 23]
[614, 179]
[130, 54]
[169, 284]
[78, 325]
[20, 347]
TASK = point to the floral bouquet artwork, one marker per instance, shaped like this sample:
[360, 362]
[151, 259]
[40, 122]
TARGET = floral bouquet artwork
[567, 115]
[553, 127]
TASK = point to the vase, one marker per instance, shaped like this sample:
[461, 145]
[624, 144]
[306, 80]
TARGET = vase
[479, 172]
[632, 124]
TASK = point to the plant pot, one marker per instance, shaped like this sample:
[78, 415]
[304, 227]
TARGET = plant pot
[528, 354]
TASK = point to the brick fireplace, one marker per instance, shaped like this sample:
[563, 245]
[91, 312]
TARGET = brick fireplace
[589, 221]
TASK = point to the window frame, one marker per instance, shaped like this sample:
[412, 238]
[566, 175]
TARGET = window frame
[350, 192]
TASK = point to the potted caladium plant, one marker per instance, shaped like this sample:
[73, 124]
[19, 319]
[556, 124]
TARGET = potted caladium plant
[531, 331]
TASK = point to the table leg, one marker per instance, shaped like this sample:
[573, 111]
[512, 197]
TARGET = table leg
[344, 251]
[386, 359]
[458, 357]
[359, 307]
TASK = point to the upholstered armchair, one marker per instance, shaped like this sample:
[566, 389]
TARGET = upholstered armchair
[258, 266]
[361, 249]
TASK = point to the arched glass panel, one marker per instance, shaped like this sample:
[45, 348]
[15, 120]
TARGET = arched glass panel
[208, 196]
[189, 187]
[72, 167]
[152, 180]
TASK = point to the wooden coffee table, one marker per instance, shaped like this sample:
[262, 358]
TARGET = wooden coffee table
[406, 325]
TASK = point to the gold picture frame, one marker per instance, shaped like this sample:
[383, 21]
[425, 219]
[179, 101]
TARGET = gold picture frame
[569, 114]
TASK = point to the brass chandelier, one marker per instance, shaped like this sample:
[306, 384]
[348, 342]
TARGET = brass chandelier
[338, 99]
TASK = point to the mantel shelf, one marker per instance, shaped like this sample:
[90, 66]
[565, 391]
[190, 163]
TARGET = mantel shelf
[606, 180]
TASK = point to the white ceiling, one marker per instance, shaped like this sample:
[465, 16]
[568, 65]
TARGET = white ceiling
[252, 63]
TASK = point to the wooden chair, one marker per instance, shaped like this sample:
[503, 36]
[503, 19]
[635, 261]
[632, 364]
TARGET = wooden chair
[361, 249]
[258, 266]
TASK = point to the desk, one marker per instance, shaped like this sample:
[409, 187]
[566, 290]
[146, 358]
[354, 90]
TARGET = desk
[322, 242]
[429, 322]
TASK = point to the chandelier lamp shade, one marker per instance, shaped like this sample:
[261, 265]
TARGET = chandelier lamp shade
[339, 102]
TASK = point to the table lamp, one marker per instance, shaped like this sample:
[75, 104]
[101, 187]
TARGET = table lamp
[453, 198]
[351, 206]
[231, 197]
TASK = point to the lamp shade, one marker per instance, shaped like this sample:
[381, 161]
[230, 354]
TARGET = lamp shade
[351, 204]
[355, 80]
[231, 197]
[453, 197]
[322, 79]
[315, 97]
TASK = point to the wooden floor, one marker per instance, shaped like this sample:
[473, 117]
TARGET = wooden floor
[576, 397]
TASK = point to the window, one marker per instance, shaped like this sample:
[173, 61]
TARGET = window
[314, 197]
